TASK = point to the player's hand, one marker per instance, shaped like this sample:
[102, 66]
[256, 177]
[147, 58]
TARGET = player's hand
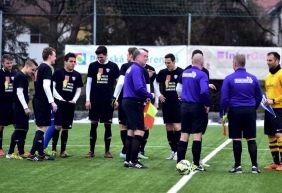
[54, 106]
[88, 105]
[207, 109]
[162, 98]
[211, 86]
[269, 101]
[224, 119]
[114, 103]
[27, 111]
[151, 73]
[148, 100]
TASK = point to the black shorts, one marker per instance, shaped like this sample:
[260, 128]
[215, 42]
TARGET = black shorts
[42, 112]
[193, 118]
[21, 119]
[6, 114]
[101, 112]
[121, 114]
[64, 115]
[171, 112]
[273, 125]
[134, 111]
[242, 120]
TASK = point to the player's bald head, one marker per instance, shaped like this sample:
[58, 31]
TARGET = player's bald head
[198, 60]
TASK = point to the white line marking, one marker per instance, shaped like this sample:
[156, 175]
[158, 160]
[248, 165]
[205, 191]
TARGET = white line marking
[186, 178]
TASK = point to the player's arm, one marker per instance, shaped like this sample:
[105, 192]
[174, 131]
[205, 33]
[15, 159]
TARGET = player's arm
[157, 92]
[48, 92]
[76, 95]
[21, 98]
[56, 94]
[88, 90]
[179, 89]
[119, 86]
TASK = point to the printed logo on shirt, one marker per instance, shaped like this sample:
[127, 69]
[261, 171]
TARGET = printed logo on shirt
[167, 80]
[65, 82]
[169, 85]
[107, 70]
[102, 78]
[99, 74]
[73, 78]
[247, 80]
[67, 86]
[189, 74]
[175, 76]
[8, 85]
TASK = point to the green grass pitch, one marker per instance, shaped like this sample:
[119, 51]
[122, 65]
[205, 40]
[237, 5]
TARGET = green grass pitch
[81, 175]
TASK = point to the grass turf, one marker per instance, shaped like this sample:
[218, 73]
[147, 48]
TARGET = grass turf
[78, 174]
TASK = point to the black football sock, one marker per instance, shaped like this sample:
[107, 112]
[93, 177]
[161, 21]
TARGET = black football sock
[196, 151]
[64, 139]
[237, 151]
[40, 142]
[55, 139]
[21, 142]
[123, 134]
[93, 136]
[176, 138]
[128, 144]
[144, 142]
[181, 150]
[135, 147]
[107, 136]
[252, 147]
[13, 142]
[170, 139]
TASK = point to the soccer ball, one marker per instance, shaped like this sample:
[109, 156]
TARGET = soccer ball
[183, 167]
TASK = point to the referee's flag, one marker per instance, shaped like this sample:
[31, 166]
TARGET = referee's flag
[267, 107]
[150, 112]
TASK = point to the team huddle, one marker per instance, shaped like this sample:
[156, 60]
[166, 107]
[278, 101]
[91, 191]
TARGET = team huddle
[182, 94]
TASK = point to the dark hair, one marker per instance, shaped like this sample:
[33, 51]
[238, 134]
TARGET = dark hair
[131, 50]
[69, 55]
[144, 50]
[101, 50]
[171, 56]
[30, 62]
[47, 52]
[197, 52]
[135, 54]
[275, 54]
[7, 57]
[240, 59]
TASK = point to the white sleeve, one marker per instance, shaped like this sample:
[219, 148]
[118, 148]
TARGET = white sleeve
[148, 88]
[76, 95]
[157, 89]
[55, 93]
[47, 90]
[88, 88]
[119, 86]
[179, 89]
[21, 97]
